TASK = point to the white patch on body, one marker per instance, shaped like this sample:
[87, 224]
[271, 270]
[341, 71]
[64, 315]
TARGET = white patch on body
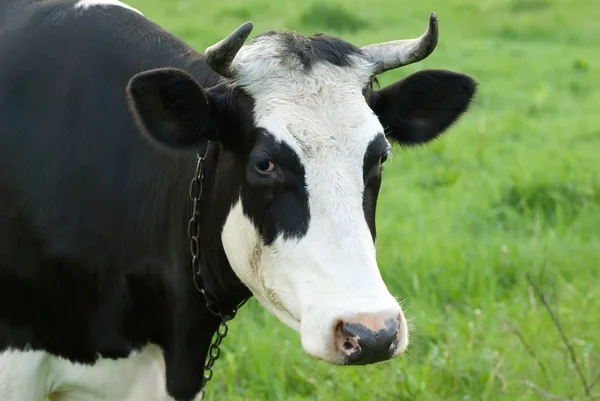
[35, 375]
[86, 4]
[331, 272]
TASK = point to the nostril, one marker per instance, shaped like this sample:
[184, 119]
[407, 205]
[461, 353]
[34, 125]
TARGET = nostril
[346, 341]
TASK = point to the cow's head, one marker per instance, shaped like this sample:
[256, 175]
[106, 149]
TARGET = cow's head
[312, 134]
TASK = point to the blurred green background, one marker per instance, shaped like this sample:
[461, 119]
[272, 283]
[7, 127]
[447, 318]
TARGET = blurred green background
[512, 189]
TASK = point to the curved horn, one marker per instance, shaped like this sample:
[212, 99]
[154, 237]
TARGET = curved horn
[220, 55]
[397, 53]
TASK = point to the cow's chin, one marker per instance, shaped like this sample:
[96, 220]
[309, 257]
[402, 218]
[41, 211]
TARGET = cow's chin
[307, 337]
[282, 315]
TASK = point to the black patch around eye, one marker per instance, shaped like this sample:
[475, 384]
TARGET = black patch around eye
[372, 179]
[376, 149]
[277, 204]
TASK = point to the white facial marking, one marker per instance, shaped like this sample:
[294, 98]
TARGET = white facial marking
[331, 273]
[35, 375]
[86, 4]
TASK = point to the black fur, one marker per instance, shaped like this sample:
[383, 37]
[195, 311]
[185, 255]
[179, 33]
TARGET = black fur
[312, 49]
[159, 99]
[94, 254]
[376, 151]
[277, 203]
[423, 105]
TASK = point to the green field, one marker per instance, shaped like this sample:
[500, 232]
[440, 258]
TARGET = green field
[513, 189]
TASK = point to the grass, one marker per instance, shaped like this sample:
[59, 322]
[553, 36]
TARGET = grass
[513, 189]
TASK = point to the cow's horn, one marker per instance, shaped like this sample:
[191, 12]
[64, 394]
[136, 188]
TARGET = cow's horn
[220, 55]
[394, 54]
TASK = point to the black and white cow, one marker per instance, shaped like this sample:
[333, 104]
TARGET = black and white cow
[102, 114]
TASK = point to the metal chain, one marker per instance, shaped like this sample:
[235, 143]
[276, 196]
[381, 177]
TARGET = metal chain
[196, 188]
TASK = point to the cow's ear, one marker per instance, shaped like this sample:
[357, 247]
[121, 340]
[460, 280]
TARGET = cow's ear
[172, 108]
[420, 107]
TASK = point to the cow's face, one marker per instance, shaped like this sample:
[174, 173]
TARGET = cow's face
[301, 234]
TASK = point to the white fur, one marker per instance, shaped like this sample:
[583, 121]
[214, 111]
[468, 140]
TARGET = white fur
[331, 272]
[35, 375]
[86, 4]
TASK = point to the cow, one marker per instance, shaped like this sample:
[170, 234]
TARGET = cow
[148, 189]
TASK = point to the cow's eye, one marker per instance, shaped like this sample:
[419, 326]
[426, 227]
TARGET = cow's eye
[383, 158]
[265, 166]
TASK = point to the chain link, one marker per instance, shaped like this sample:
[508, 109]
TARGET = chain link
[214, 351]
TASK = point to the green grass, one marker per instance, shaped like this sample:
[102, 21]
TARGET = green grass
[514, 188]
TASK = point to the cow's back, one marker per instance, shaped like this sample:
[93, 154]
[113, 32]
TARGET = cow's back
[86, 203]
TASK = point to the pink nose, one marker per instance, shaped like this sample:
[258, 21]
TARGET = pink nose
[366, 339]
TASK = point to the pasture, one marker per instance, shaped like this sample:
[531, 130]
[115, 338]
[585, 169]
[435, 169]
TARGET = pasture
[512, 190]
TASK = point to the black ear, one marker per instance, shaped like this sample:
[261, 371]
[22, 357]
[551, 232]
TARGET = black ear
[172, 108]
[420, 107]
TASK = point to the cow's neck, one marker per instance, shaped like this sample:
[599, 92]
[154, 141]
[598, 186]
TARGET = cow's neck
[220, 192]
[193, 324]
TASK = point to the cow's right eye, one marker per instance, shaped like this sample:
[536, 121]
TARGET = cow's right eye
[265, 166]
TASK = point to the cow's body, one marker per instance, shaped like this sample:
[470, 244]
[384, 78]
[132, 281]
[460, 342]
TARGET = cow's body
[101, 115]
[94, 255]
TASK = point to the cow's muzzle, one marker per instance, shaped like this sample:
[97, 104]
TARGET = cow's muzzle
[366, 339]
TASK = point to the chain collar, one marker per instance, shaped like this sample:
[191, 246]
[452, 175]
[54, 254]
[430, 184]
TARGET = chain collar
[196, 188]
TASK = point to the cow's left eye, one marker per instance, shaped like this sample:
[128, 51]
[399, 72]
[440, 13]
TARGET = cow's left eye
[265, 166]
[383, 158]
